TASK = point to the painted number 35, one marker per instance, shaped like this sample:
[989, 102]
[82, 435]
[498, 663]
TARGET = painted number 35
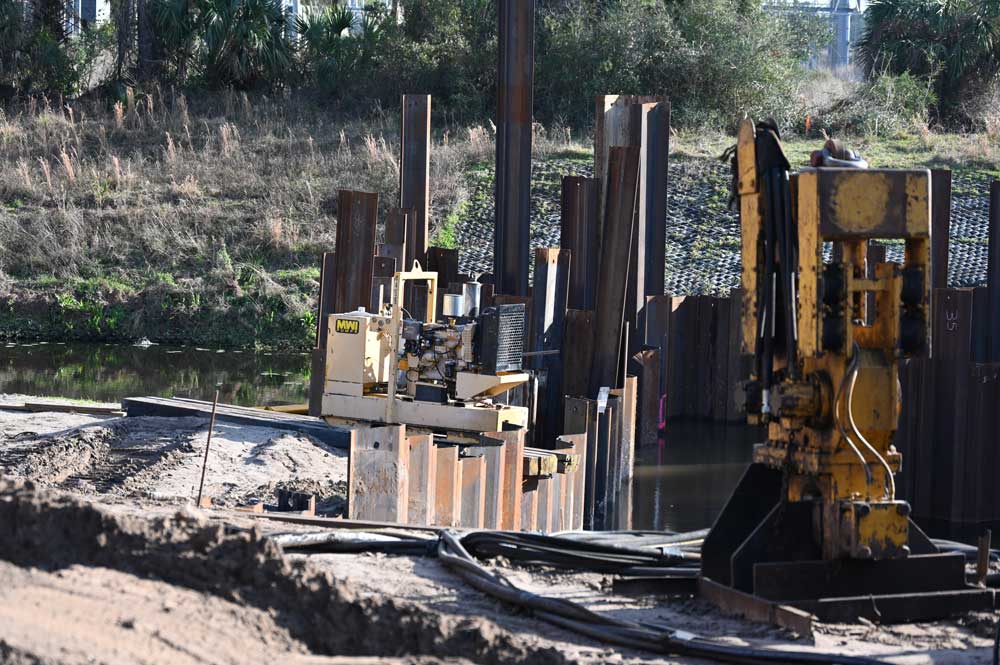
[951, 319]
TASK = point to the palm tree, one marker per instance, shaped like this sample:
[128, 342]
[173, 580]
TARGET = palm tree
[951, 42]
[245, 42]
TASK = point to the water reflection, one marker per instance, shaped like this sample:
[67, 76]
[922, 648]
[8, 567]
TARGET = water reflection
[109, 372]
[683, 485]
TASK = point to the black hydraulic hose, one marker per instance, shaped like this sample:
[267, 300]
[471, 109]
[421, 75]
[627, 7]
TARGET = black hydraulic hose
[561, 552]
[452, 551]
[790, 267]
[575, 617]
[767, 319]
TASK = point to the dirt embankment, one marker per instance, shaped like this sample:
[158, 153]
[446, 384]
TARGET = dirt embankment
[95, 509]
[160, 460]
[55, 531]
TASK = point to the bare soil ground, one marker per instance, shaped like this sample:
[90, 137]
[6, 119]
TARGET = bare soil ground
[103, 559]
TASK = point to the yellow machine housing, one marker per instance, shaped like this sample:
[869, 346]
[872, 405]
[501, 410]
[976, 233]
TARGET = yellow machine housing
[365, 359]
[830, 427]
[359, 353]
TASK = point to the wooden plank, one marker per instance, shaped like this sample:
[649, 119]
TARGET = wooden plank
[578, 351]
[357, 221]
[448, 494]
[619, 226]
[63, 407]
[538, 462]
[378, 474]
[493, 452]
[423, 479]
[473, 482]
[182, 408]
[414, 174]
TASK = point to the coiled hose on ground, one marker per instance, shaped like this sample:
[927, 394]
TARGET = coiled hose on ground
[675, 555]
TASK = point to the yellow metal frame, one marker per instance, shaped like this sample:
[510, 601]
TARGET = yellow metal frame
[807, 438]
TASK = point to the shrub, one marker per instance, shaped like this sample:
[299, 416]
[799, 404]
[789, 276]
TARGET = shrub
[952, 43]
[885, 105]
[715, 59]
[241, 44]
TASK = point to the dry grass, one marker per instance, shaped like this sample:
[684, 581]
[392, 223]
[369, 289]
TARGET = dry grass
[223, 196]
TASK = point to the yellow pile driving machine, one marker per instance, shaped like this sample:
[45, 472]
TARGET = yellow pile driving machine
[816, 522]
[441, 376]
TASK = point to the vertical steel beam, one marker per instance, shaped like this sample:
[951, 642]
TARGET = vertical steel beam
[579, 234]
[357, 219]
[513, 476]
[515, 81]
[396, 224]
[422, 480]
[582, 418]
[550, 293]
[653, 196]
[493, 450]
[448, 487]
[952, 337]
[324, 308]
[382, 274]
[617, 122]
[472, 471]
[577, 351]
[940, 226]
[414, 174]
[378, 475]
[993, 272]
[619, 225]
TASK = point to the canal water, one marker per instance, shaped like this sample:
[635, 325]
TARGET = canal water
[110, 372]
[682, 484]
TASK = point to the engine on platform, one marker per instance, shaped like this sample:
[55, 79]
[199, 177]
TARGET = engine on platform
[434, 356]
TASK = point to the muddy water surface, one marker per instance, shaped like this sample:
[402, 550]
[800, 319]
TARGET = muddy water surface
[109, 372]
[682, 484]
